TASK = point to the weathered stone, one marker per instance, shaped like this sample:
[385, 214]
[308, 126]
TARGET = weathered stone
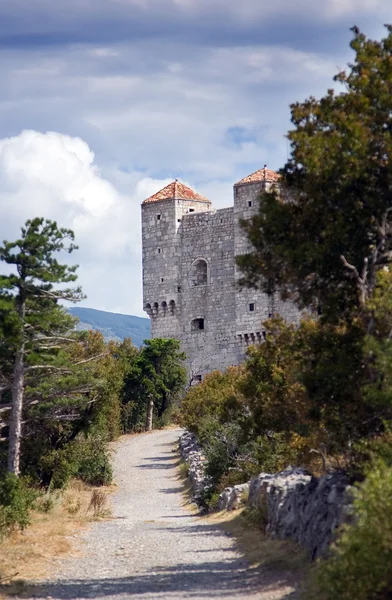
[191, 453]
[190, 275]
[233, 497]
[298, 506]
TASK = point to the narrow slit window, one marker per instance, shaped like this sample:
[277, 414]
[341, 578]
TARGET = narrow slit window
[250, 203]
[162, 280]
[158, 217]
[191, 210]
[252, 307]
[159, 250]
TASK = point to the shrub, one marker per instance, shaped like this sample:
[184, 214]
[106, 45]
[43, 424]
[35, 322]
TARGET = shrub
[360, 565]
[16, 501]
[94, 465]
[57, 467]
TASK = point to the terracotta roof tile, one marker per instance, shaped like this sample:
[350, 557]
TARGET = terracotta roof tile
[176, 190]
[260, 175]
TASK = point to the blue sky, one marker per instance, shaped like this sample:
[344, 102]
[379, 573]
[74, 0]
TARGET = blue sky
[103, 102]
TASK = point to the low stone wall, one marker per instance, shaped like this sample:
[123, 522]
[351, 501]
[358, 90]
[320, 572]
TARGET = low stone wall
[297, 506]
[294, 504]
[192, 454]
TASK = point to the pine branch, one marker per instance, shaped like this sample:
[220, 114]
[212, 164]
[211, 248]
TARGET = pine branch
[48, 368]
[87, 360]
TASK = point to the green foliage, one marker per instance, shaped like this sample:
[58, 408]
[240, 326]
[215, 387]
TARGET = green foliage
[215, 399]
[94, 465]
[157, 373]
[326, 234]
[16, 502]
[360, 565]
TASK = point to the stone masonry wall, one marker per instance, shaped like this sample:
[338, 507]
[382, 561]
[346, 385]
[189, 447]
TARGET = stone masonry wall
[294, 505]
[214, 319]
[208, 237]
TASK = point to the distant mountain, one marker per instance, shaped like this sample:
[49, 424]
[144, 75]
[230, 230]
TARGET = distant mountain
[113, 326]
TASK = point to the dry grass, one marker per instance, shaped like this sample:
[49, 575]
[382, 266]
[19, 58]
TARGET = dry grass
[258, 549]
[98, 503]
[32, 554]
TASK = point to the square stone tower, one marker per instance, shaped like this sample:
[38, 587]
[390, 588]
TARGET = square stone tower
[161, 250]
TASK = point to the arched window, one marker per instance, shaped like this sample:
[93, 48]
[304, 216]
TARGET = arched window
[199, 272]
[164, 307]
[172, 306]
[147, 309]
[155, 308]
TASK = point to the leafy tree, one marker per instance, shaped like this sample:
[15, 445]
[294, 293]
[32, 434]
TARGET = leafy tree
[156, 374]
[328, 231]
[72, 413]
[34, 327]
[359, 565]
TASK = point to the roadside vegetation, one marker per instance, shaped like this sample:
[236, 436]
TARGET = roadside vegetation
[320, 394]
[65, 394]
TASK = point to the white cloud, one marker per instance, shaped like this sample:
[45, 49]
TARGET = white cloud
[54, 176]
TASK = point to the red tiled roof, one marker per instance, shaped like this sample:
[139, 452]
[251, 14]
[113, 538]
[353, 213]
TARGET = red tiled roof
[260, 175]
[176, 190]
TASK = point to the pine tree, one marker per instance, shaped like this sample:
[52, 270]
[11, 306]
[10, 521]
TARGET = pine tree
[33, 326]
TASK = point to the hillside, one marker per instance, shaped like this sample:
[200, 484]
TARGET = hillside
[113, 326]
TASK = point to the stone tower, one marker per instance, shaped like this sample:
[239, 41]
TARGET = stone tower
[161, 219]
[252, 306]
[190, 277]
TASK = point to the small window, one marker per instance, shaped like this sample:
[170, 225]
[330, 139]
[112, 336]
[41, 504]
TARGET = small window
[178, 220]
[252, 307]
[191, 210]
[159, 250]
[158, 217]
[179, 289]
[162, 280]
[270, 315]
[197, 325]
[250, 203]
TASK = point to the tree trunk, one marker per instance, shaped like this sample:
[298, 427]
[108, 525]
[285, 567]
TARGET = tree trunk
[150, 409]
[15, 433]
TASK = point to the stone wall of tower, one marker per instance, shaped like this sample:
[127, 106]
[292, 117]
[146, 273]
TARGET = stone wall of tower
[208, 239]
[190, 279]
[161, 256]
[253, 307]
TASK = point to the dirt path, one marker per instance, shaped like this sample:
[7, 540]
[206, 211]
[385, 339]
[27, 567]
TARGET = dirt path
[154, 547]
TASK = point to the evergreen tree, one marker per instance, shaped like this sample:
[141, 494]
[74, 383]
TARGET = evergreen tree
[33, 327]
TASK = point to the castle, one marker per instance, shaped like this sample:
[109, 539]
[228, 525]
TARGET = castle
[190, 276]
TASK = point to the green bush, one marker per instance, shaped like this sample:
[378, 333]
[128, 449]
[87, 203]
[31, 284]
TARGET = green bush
[360, 565]
[94, 465]
[16, 501]
[57, 467]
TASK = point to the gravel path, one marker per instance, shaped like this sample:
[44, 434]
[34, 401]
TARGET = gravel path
[154, 547]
